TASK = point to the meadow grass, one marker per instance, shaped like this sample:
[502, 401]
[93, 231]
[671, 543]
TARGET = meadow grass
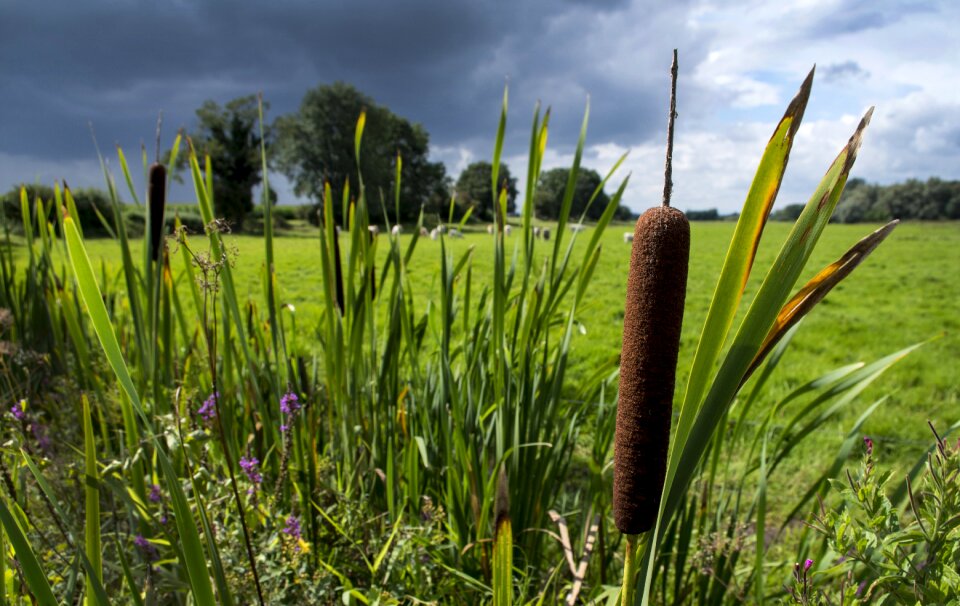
[905, 293]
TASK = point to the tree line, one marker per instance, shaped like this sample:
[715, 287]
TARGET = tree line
[862, 202]
[314, 146]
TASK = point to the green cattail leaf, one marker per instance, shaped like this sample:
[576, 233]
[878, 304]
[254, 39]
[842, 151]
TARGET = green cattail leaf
[126, 175]
[92, 504]
[33, 573]
[739, 259]
[358, 136]
[760, 319]
[498, 149]
[90, 293]
[192, 550]
[502, 545]
[817, 288]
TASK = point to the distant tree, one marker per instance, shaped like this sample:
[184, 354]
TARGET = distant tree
[703, 215]
[91, 204]
[790, 212]
[315, 145]
[230, 135]
[553, 183]
[474, 185]
[933, 200]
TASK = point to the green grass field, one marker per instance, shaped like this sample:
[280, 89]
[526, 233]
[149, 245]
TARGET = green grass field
[908, 291]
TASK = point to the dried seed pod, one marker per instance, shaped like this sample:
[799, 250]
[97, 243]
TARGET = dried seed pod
[156, 203]
[656, 290]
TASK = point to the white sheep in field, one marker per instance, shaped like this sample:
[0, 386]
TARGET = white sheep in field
[424, 232]
[374, 230]
[455, 233]
[627, 237]
[490, 229]
[441, 229]
[545, 233]
[396, 229]
[577, 227]
[434, 233]
[506, 230]
[536, 232]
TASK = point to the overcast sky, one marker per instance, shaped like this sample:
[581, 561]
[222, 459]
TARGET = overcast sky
[444, 63]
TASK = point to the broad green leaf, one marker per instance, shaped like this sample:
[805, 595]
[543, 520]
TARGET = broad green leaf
[32, 571]
[817, 288]
[193, 556]
[92, 503]
[739, 260]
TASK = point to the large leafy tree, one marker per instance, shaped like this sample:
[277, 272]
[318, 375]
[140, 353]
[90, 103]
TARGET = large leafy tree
[315, 145]
[474, 188]
[230, 135]
[553, 184]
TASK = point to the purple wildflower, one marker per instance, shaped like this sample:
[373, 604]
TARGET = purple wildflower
[292, 529]
[208, 410]
[807, 564]
[289, 406]
[40, 435]
[251, 467]
[155, 496]
[869, 444]
[18, 411]
[860, 588]
[147, 548]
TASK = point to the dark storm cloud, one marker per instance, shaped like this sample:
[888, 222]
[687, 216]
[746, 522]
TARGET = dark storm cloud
[838, 72]
[440, 63]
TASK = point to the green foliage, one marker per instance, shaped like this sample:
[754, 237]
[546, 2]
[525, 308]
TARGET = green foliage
[791, 212]
[878, 551]
[551, 188]
[933, 200]
[703, 215]
[315, 146]
[92, 205]
[228, 135]
[473, 189]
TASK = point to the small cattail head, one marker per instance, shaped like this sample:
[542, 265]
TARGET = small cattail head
[656, 290]
[156, 204]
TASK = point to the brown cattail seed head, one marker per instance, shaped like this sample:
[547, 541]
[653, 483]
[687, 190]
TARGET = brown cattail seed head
[656, 290]
[156, 203]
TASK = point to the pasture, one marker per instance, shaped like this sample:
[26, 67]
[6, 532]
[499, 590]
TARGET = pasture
[908, 291]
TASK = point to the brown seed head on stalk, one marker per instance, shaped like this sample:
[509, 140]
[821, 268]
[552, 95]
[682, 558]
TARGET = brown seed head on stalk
[156, 203]
[656, 290]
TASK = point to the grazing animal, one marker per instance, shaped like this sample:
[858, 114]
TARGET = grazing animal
[490, 229]
[627, 237]
[506, 230]
[442, 228]
[424, 232]
[577, 227]
[396, 230]
[455, 233]
[434, 233]
[536, 232]
[545, 233]
[374, 230]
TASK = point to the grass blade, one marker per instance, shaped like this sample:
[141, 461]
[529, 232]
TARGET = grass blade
[91, 490]
[32, 571]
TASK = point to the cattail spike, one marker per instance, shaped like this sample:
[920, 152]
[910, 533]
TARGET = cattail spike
[656, 291]
[156, 204]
